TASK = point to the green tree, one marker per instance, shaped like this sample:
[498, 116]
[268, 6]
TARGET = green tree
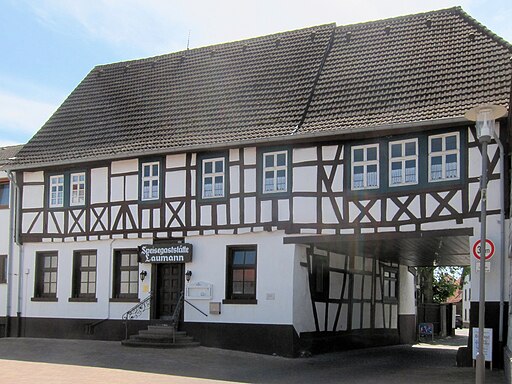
[437, 284]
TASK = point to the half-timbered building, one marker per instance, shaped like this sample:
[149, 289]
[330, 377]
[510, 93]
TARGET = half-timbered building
[306, 173]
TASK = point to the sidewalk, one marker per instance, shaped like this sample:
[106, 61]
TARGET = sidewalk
[26, 360]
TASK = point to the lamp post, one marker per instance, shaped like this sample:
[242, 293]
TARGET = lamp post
[484, 116]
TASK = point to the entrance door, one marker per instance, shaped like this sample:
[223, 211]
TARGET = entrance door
[170, 284]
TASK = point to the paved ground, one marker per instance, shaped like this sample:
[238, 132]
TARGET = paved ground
[27, 360]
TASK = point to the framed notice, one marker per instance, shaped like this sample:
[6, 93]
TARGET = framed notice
[487, 343]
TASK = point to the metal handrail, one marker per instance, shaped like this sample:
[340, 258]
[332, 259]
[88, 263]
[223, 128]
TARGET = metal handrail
[136, 311]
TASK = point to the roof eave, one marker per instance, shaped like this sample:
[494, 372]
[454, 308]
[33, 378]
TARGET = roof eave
[310, 136]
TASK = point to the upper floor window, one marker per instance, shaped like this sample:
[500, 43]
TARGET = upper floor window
[213, 178]
[365, 166]
[443, 157]
[4, 195]
[77, 188]
[151, 181]
[403, 162]
[57, 191]
[275, 169]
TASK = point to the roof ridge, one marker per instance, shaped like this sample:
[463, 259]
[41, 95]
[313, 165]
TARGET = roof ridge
[213, 46]
[410, 15]
[482, 28]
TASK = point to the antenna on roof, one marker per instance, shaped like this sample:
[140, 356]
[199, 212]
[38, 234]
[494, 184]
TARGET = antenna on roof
[188, 40]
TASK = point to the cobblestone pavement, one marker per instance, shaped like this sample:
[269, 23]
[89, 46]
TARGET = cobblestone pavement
[27, 360]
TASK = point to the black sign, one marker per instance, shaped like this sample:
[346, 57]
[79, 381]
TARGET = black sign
[165, 253]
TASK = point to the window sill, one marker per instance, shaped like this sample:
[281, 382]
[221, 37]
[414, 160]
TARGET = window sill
[124, 300]
[4, 206]
[51, 299]
[239, 301]
[83, 300]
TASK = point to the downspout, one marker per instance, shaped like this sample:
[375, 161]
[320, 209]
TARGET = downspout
[15, 198]
[10, 258]
[502, 245]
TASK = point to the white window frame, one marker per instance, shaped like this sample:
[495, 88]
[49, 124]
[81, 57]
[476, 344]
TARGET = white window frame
[150, 179]
[74, 195]
[274, 169]
[59, 198]
[403, 159]
[443, 153]
[213, 175]
[364, 163]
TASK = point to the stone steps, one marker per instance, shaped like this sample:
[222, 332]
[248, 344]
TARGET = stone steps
[160, 336]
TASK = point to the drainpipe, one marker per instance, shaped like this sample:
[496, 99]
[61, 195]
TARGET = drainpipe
[14, 212]
[10, 258]
[502, 244]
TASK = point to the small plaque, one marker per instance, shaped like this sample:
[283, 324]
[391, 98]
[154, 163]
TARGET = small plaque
[214, 308]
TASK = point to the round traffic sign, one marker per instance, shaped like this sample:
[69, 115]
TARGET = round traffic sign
[489, 249]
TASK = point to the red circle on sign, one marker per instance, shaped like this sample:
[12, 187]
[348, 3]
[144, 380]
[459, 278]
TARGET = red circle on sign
[476, 250]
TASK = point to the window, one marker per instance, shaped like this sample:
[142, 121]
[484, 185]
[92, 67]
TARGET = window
[213, 178]
[275, 170]
[46, 275]
[241, 274]
[56, 191]
[4, 195]
[126, 279]
[443, 157]
[84, 277]
[151, 181]
[365, 167]
[389, 283]
[3, 269]
[77, 188]
[320, 277]
[403, 162]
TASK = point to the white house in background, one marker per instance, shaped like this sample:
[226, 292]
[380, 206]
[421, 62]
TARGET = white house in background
[7, 248]
[297, 176]
[466, 300]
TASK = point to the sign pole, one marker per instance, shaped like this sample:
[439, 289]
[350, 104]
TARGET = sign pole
[480, 358]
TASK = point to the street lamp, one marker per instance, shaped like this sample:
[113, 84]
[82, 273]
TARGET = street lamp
[484, 116]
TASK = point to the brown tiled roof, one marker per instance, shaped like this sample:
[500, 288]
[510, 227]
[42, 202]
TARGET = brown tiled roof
[429, 66]
[9, 152]
[320, 80]
[234, 91]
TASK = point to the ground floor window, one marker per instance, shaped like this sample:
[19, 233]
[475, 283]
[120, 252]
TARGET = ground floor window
[3, 269]
[241, 274]
[389, 284]
[126, 274]
[46, 275]
[84, 274]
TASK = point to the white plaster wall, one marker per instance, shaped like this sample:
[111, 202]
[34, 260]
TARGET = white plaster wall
[33, 196]
[125, 166]
[101, 309]
[303, 320]
[407, 302]
[274, 283]
[99, 185]
[492, 278]
[4, 250]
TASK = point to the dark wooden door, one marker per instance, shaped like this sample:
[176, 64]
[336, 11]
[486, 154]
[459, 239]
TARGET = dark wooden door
[169, 287]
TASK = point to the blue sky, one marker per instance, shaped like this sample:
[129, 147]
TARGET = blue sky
[48, 46]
